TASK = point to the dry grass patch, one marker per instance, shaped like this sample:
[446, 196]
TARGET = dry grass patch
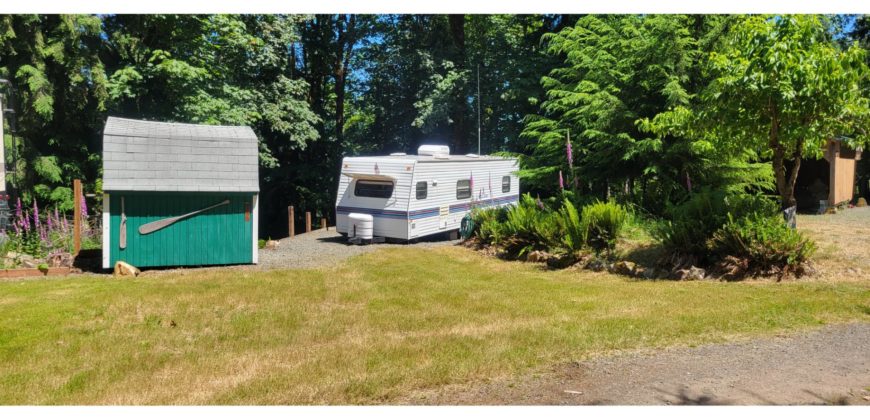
[373, 330]
[844, 243]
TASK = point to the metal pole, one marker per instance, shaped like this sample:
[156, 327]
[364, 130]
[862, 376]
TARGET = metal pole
[478, 109]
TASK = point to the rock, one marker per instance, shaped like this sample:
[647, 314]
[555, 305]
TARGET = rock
[626, 268]
[13, 259]
[696, 273]
[561, 261]
[124, 269]
[645, 273]
[862, 202]
[537, 256]
[691, 273]
[270, 244]
[596, 264]
[60, 259]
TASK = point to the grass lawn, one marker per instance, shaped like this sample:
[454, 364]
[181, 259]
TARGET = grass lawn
[379, 327]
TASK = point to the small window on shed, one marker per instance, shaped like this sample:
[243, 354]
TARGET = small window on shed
[374, 189]
[506, 184]
[463, 189]
[422, 190]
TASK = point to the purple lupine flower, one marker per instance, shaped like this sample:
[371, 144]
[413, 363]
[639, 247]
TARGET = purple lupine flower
[18, 211]
[48, 222]
[561, 182]
[35, 214]
[539, 202]
[84, 208]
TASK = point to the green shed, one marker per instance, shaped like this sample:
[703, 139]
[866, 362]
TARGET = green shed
[179, 194]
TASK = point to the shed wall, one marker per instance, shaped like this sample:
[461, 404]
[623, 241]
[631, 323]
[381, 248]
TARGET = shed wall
[224, 235]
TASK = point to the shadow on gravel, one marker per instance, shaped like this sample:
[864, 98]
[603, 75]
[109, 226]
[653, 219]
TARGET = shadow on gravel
[683, 398]
[439, 237]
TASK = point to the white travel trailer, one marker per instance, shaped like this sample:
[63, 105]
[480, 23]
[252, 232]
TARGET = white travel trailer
[410, 196]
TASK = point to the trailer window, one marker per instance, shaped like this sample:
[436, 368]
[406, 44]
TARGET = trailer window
[374, 189]
[463, 189]
[505, 184]
[422, 190]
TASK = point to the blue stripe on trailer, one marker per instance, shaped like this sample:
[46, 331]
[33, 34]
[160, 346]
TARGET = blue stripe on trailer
[426, 213]
[393, 214]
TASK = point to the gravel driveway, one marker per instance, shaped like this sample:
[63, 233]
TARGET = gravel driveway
[826, 366]
[325, 248]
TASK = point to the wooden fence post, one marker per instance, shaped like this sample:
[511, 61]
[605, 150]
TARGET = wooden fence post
[307, 221]
[77, 216]
[323, 224]
[291, 226]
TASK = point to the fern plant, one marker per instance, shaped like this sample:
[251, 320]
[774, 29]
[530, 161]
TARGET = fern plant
[602, 223]
[528, 227]
[572, 231]
[765, 243]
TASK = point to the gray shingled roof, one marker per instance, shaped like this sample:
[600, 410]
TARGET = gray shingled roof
[156, 156]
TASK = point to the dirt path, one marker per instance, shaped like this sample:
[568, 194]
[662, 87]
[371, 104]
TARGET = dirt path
[827, 366]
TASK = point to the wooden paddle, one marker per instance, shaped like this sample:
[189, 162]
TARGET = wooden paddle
[162, 223]
[123, 239]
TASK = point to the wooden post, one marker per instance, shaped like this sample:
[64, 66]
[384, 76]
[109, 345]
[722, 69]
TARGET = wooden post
[77, 216]
[291, 226]
[307, 221]
[323, 224]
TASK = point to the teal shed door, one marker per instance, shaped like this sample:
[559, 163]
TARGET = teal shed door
[222, 235]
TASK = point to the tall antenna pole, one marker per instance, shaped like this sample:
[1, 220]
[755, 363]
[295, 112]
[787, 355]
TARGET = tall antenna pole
[478, 109]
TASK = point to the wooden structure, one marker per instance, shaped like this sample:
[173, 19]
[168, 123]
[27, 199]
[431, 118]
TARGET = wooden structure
[77, 216]
[830, 180]
[179, 194]
[842, 162]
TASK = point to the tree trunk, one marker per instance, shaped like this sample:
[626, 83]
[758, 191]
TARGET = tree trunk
[785, 178]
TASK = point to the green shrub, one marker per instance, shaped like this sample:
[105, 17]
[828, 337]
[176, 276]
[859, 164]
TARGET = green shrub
[528, 227]
[261, 243]
[692, 224]
[488, 224]
[764, 243]
[601, 223]
[572, 232]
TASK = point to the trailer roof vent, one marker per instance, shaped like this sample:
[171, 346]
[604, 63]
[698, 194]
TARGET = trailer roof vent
[399, 154]
[432, 150]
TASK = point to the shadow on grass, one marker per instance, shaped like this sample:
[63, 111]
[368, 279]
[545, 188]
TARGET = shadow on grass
[646, 255]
